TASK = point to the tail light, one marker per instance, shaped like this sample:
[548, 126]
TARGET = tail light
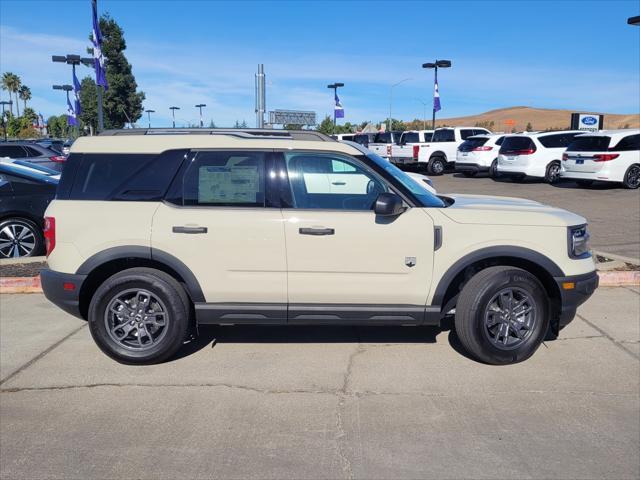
[565, 157]
[50, 234]
[58, 158]
[528, 151]
[605, 157]
[482, 149]
[416, 151]
[388, 150]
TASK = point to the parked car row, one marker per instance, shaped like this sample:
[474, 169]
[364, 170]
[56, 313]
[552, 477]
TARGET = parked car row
[48, 153]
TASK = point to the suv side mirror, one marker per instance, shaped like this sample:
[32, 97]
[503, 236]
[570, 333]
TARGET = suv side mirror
[388, 204]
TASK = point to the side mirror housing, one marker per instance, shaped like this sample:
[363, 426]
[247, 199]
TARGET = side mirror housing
[388, 205]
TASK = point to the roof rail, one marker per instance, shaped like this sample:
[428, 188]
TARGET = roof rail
[248, 133]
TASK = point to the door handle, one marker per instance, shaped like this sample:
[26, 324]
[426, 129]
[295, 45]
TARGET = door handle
[338, 183]
[191, 230]
[316, 231]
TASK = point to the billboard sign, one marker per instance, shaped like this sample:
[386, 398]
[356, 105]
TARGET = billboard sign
[294, 117]
[587, 121]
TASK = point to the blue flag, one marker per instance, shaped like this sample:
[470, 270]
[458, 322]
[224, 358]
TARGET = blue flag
[338, 110]
[76, 92]
[436, 95]
[101, 74]
[72, 120]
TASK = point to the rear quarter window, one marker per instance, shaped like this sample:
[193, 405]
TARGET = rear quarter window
[629, 143]
[560, 140]
[589, 144]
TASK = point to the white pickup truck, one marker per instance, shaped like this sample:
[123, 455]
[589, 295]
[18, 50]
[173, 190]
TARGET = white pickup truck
[406, 151]
[383, 142]
[440, 153]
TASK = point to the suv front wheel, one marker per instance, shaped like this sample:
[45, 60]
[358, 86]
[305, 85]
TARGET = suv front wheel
[139, 316]
[502, 315]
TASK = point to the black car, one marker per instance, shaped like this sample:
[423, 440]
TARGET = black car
[54, 144]
[34, 153]
[24, 196]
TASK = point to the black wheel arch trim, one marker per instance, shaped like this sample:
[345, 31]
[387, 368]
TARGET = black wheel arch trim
[146, 253]
[488, 253]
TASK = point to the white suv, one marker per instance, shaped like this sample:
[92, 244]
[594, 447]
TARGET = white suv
[440, 153]
[537, 155]
[155, 231]
[606, 156]
[479, 154]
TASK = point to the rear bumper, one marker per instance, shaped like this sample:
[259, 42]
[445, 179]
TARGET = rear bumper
[601, 176]
[53, 286]
[403, 160]
[470, 167]
[572, 298]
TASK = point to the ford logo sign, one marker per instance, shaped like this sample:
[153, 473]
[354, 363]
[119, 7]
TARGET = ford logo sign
[589, 120]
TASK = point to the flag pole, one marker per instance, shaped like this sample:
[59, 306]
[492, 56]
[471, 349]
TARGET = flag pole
[99, 87]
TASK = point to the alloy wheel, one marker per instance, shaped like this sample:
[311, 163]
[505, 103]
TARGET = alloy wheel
[509, 318]
[17, 240]
[136, 319]
[633, 177]
[553, 173]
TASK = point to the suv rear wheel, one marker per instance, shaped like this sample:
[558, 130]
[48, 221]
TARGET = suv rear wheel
[139, 316]
[436, 166]
[632, 177]
[502, 315]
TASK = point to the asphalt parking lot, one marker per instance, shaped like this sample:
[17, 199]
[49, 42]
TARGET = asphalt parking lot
[613, 212]
[324, 402]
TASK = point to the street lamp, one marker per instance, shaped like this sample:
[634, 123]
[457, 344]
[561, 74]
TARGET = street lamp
[4, 121]
[149, 112]
[437, 64]
[74, 60]
[424, 113]
[634, 21]
[335, 87]
[173, 114]
[200, 105]
[391, 98]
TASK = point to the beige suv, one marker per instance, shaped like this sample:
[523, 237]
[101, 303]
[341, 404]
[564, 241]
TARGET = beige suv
[154, 232]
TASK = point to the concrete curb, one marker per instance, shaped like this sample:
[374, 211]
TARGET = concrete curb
[32, 284]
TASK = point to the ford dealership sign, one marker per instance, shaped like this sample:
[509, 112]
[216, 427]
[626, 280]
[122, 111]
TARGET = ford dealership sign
[587, 121]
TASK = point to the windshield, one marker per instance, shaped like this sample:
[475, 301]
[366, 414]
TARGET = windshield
[426, 198]
[383, 137]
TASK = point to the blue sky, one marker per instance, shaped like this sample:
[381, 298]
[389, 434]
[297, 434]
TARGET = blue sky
[577, 55]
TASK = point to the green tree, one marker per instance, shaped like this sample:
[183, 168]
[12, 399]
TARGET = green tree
[88, 104]
[122, 102]
[57, 126]
[326, 126]
[11, 83]
[24, 93]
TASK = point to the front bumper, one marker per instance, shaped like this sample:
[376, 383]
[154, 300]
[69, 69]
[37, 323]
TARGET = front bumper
[57, 287]
[574, 291]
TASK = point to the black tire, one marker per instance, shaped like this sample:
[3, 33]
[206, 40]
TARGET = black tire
[493, 170]
[170, 298]
[632, 177]
[30, 242]
[469, 174]
[473, 312]
[584, 183]
[436, 166]
[552, 174]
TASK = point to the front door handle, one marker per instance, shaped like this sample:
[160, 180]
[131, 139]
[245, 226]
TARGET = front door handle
[191, 230]
[316, 231]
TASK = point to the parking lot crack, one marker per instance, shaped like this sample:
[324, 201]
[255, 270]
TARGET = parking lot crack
[618, 344]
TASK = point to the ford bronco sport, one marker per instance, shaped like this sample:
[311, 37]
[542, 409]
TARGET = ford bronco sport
[153, 232]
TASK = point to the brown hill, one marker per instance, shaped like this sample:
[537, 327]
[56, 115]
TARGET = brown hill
[540, 119]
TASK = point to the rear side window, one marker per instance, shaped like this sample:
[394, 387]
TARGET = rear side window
[589, 144]
[632, 142]
[466, 133]
[481, 131]
[383, 137]
[411, 137]
[514, 144]
[560, 140]
[444, 135]
[225, 179]
[499, 141]
[12, 151]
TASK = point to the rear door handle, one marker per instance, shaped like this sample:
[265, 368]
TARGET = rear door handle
[191, 230]
[316, 231]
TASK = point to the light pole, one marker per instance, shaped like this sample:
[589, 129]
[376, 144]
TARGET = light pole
[173, 114]
[334, 87]
[437, 64]
[74, 60]
[66, 88]
[4, 121]
[200, 105]
[424, 113]
[391, 98]
[634, 21]
[149, 112]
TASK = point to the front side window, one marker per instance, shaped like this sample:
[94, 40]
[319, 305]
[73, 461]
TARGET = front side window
[444, 135]
[331, 182]
[225, 179]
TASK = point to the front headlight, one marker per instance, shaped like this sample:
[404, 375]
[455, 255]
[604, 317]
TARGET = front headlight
[578, 242]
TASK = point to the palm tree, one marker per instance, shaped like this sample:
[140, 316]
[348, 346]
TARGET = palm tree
[25, 94]
[11, 83]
